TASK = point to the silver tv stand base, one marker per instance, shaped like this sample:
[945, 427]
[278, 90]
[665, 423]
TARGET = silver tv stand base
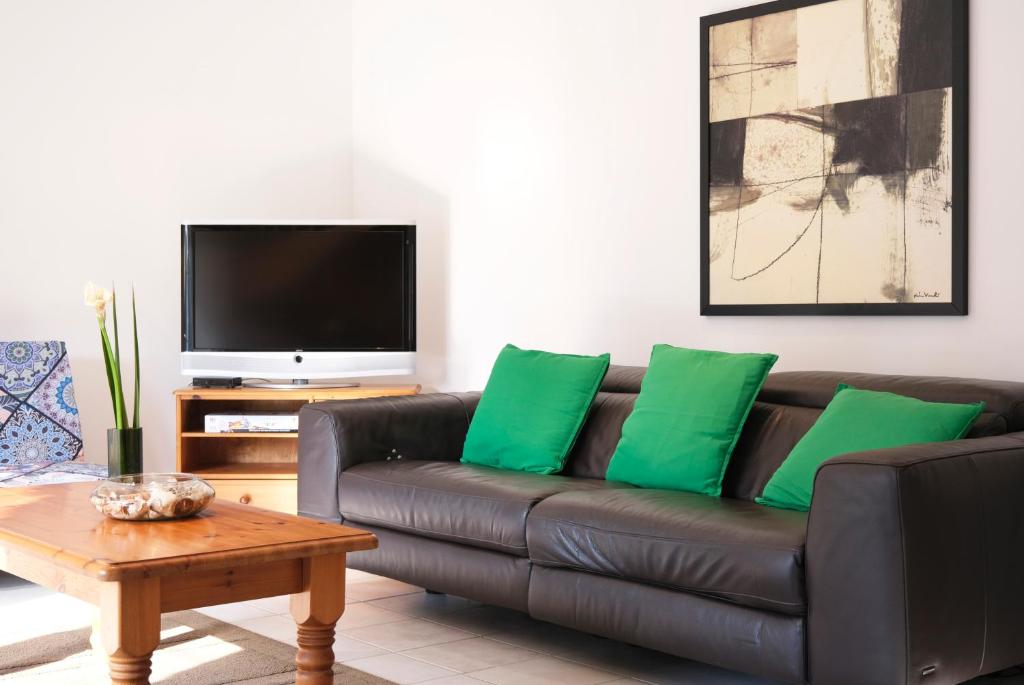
[295, 384]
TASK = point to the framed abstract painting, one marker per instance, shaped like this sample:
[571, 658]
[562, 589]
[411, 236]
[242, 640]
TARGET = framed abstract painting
[834, 158]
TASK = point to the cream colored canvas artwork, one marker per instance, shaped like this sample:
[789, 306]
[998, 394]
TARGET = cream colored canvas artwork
[830, 155]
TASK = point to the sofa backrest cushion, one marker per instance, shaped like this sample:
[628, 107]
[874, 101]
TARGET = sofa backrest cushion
[600, 434]
[789, 404]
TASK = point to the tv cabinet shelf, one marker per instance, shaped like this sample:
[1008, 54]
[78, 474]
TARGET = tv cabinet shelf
[268, 471]
[253, 434]
[256, 468]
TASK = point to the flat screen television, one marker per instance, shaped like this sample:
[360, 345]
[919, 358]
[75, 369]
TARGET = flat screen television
[298, 301]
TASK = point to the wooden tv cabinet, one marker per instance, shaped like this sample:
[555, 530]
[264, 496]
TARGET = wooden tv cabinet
[260, 469]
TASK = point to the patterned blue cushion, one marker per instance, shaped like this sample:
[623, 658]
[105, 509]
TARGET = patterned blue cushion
[38, 414]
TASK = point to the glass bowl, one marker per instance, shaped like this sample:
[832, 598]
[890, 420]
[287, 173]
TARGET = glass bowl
[152, 496]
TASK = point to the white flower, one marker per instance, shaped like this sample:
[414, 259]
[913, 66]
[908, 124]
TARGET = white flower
[98, 298]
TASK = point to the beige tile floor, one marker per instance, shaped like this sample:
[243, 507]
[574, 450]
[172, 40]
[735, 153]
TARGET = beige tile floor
[398, 632]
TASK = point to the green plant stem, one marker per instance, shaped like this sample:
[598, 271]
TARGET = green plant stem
[107, 368]
[135, 336]
[117, 338]
[120, 418]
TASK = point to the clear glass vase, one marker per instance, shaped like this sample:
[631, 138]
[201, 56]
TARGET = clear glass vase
[124, 451]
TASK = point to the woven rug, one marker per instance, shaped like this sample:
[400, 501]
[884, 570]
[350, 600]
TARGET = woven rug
[194, 650]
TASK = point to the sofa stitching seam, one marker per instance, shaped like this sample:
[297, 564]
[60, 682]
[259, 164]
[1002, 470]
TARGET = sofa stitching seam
[1013, 411]
[684, 541]
[337, 452]
[390, 524]
[669, 586]
[840, 461]
[465, 409]
[903, 568]
[986, 566]
[446, 492]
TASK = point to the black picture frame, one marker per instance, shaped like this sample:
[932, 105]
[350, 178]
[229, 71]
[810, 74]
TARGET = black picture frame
[959, 136]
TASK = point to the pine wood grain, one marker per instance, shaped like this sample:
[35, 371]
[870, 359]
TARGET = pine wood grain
[236, 436]
[305, 394]
[52, 535]
[227, 459]
[316, 610]
[129, 628]
[223, 586]
[225, 473]
[59, 524]
[265, 493]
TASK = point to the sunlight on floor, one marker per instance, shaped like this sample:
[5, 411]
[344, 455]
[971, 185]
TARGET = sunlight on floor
[180, 658]
[397, 632]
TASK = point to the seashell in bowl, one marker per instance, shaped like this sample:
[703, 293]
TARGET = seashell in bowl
[152, 496]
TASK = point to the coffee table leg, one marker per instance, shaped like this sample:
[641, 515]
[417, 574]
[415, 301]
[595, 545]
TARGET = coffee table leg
[96, 637]
[130, 628]
[316, 610]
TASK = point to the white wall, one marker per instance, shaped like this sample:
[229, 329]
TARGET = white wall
[549, 150]
[119, 119]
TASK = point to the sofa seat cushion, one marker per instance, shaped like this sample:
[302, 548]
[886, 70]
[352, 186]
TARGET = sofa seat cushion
[725, 548]
[466, 503]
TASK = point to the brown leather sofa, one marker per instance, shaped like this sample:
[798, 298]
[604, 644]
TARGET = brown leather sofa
[909, 568]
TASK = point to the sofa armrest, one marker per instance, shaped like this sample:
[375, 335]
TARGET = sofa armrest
[915, 563]
[337, 435]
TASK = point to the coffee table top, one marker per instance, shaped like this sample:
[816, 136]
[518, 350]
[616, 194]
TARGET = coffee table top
[58, 523]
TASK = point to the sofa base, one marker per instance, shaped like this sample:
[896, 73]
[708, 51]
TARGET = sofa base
[690, 626]
[444, 567]
[762, 643]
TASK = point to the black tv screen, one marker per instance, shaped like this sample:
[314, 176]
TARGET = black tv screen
[285, 288]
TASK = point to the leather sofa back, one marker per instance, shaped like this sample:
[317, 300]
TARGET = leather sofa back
[787, 407]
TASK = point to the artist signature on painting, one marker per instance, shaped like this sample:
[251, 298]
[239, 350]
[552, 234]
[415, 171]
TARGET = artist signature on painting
[925, 295]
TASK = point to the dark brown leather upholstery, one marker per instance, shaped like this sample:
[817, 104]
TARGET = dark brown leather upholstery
[915, 558]
[480, 574]
[1003, 403]
[734, 550]
[600, 435]
[623, 379]
[771, 432]
[910, 563]
[334, 436]
[473, 505]
[762, 643]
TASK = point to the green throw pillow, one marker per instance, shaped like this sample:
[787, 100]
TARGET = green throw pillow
[859, 420]
[532, 409]
[687, 418]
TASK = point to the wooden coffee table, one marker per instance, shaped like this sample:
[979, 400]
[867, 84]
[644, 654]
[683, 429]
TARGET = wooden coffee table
[52, 535]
